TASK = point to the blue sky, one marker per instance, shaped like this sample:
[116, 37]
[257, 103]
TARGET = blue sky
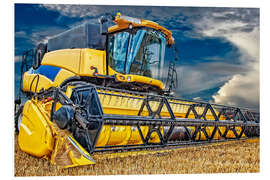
[218, 47]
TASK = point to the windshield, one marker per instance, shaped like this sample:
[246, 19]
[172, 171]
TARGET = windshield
[137, 51]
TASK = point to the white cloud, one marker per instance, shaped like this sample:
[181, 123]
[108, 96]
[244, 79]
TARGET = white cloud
[241, 89]
[21, 34]
[197, 99]
[17, 58]
[42, 34]
[34, 35]
[248, 42]
[200, 77]
[91, 12]
[204, 76]
[74, 10]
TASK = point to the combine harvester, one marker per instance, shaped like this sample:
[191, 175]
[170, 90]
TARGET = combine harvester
[97, 89]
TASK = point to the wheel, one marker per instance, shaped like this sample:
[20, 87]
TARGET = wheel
[39, 53]
[18, 119]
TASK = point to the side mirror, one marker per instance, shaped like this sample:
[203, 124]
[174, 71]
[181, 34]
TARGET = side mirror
[39, 53]
[104, 20]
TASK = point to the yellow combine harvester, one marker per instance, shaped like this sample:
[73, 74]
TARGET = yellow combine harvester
[95, 89]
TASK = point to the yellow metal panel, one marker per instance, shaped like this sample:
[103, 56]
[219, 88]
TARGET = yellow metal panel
[119, 135]
[25, 82]
[38, 81]
[66, 154]
[69, 91]
[92, 57]
[78, 160]
[122, 23]
[62, 75]
[42, 82]
[135, 135]
[68, 59]
[35, 82]
[35, 136]
[104, 135]
[78, 61]
[140, 79]
[135, 78]
[58, 143]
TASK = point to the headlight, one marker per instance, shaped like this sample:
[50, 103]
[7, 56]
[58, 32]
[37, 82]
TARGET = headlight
[131, 19]
[128, 78]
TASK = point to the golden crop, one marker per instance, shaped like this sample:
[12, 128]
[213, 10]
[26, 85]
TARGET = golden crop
[220, 158]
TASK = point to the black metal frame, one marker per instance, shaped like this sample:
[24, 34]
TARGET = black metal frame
[235, 117]
[27, 62]
[172, 81]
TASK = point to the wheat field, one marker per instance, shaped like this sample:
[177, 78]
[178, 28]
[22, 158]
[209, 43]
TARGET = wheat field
[234, 157]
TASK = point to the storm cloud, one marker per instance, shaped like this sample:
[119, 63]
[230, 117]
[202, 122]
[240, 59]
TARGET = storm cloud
[218, 46]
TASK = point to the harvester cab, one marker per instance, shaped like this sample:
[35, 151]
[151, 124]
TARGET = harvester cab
[129, 55]
[136, 49]
[91, 90]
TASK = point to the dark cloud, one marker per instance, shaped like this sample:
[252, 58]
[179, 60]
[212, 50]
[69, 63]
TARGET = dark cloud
[204, 76]
[182, 21]
[211, 53]
[221, 68]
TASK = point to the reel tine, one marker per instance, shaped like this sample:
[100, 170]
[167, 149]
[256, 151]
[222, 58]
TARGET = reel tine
[103, 95]
[110, 99]
[116, 100]
[138, 103]
[132, 99]
[128, 98]
[121, 99]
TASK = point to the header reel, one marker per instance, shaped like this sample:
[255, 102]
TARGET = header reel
[82, 114]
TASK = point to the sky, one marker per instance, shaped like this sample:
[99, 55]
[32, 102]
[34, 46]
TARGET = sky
[218, 59]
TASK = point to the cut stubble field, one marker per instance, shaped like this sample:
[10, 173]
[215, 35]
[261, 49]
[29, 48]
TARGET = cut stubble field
[233, 157]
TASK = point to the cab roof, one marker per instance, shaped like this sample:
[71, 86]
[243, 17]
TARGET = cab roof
[123, 22]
